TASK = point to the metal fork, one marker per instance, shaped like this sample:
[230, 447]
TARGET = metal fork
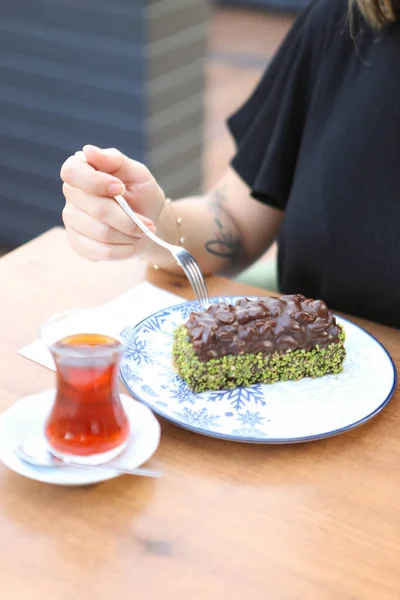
[184, 259]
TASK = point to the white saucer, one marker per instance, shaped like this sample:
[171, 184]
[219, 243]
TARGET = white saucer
[26, 418]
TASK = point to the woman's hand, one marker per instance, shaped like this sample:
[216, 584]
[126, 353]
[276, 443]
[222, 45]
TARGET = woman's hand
[98, 229]
[225, 230]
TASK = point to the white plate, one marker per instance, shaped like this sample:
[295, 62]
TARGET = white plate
[26, 418]
[284, 412]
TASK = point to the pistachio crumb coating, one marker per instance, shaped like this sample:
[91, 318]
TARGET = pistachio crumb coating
[245, 369]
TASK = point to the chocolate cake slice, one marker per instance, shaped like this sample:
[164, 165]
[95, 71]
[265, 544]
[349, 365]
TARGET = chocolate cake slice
[258, 341]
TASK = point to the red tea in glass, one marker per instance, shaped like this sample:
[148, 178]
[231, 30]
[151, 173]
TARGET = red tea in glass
[87, 420]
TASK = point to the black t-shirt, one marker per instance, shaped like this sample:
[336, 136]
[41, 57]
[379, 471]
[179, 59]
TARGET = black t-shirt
[320, 139]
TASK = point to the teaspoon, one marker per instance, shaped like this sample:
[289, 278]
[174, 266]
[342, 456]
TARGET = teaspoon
[35, 452]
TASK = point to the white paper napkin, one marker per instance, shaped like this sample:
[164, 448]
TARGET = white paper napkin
[128, 309]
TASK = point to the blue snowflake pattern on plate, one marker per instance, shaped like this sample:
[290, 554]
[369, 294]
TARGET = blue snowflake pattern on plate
[129, 372]
[170, 378]
[178, 389]
[182, 393]
[250, 419]
[240, 396]
[282, 412]
[138, 352]
[250, 422]
[200, 418]
[149, 390]
[156, 322]
[184, 310]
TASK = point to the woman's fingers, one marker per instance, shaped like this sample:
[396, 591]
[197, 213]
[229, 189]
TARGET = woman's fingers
[133, 180]
[115, 163]
[107, 173]
[105, 211]
[144, 193]
[81, 222]
[94, 250]
[78, 174]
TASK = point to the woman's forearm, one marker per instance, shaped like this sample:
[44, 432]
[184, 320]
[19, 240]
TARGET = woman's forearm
[205, 229]
[225, 230]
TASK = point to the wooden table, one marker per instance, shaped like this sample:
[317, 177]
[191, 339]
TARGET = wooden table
[310, 521]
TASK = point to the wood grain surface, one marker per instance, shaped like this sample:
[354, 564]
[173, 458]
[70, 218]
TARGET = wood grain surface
[311, 521]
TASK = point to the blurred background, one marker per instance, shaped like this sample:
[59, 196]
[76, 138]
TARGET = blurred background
[155, 78]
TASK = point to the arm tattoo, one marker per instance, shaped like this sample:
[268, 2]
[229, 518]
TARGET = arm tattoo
[225, 243]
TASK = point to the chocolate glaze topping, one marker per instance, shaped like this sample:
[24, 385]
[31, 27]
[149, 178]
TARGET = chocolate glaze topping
[264, 325]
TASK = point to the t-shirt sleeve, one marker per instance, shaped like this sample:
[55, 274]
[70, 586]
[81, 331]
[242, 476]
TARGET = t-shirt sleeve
[267, 129]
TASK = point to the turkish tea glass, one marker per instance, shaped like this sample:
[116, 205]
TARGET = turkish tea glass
[87, 422]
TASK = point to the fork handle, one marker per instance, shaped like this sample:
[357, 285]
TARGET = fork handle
[127, 209]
